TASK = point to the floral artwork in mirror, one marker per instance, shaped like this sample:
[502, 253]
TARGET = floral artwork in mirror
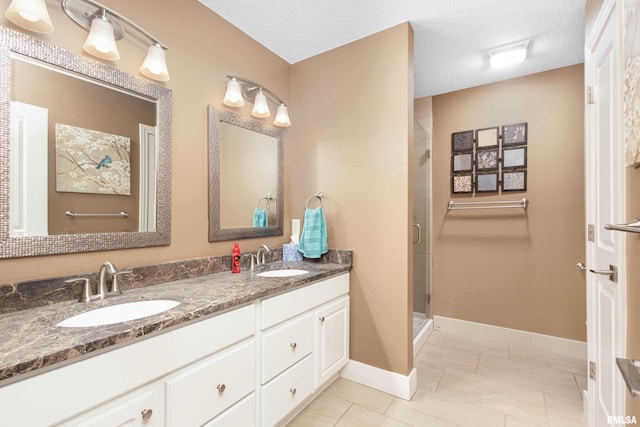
[487, 138]
[515, 134]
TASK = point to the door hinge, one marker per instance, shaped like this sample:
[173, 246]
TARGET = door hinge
[429, 299]
[592, 370]
[590, 233]
[590, 95]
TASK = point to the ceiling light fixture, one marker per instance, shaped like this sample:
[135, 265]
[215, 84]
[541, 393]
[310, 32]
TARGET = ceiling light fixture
[510, 54]
[239, 88]
[105, 28]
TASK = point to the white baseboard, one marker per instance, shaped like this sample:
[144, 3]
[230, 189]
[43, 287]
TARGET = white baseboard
[402, 386]
[534, 341]
[422, 336]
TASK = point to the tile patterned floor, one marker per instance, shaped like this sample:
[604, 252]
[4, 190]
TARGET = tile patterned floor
[463, 382]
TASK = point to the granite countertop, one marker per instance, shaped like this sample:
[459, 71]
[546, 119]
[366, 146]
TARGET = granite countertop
[30, 341]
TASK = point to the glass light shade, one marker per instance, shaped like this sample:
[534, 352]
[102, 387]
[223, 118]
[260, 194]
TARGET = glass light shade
[282, 117]
[101, 42]
[31, 15]
[233, 96]
[260, 106]
[508, 55]
[155, 64]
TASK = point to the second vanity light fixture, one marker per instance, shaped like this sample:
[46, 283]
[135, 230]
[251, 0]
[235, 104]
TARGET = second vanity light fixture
[239, 89]
[104, 29]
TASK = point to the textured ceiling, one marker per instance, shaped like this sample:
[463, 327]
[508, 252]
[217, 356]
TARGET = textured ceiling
[452, 37]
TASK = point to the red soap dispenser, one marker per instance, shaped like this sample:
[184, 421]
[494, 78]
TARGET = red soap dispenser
[235, 259]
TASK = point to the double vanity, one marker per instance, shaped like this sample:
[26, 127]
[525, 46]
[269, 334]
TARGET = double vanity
[243, 349]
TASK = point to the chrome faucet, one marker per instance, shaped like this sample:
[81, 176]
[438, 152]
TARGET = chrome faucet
[107, 271]
[261, 261]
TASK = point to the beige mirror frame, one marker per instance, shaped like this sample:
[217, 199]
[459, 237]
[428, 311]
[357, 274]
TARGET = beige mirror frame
[216, 233]
[10, 247]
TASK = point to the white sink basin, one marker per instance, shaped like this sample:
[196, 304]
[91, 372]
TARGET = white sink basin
[282, 273]
[118, 313]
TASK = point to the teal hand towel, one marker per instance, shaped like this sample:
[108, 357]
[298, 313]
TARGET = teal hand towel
[260, 218]
[313, 241]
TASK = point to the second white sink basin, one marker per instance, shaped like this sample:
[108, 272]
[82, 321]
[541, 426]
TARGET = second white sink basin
[118, 313]
[282, 273]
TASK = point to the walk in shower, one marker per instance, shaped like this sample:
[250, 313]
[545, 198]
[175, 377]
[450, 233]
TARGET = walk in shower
[422, 216]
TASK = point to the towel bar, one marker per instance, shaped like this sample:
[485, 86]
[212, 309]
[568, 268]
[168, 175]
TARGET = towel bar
[501, 204]
[80, 215]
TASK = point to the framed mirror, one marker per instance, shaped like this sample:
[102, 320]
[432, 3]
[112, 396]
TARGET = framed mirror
[85, 153]
[246, 166]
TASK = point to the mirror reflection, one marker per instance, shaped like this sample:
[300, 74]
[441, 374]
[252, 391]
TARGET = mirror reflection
[245, 177]
[77, 151]
[248, 177]
[85, 153]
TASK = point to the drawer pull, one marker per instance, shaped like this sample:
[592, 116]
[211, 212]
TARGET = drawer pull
[293, 345]
[146, 414]
[322, 319]
[221, 388]
[292, 391]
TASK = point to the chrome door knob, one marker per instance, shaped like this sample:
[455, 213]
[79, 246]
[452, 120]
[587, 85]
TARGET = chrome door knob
[580, 266]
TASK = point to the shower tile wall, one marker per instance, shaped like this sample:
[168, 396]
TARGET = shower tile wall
[422, 257]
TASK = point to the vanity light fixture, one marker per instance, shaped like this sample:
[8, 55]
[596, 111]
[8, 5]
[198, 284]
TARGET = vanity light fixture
[510, 54]
[239, 88]
[31, 15]
[105, 28]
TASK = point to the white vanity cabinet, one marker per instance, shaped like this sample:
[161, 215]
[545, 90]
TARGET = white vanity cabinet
[250, 366]
[305, 341]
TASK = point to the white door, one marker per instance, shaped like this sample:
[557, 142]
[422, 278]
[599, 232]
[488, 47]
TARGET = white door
[605, 205]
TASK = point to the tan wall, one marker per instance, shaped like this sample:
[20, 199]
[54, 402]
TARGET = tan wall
[510, 268]
[203, 49]
[353, 141]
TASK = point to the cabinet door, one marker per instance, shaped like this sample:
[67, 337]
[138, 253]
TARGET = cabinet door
[332, 332]
[142, 408]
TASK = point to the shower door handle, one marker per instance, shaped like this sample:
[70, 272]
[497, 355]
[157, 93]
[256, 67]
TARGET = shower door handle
[419, 234]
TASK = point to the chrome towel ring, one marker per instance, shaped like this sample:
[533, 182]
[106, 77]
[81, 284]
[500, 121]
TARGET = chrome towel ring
[317, 195]
[268, 198]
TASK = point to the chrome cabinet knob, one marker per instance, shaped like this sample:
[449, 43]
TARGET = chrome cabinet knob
[293, 345]
[293, 391]
[322, 319]
[146, 414]
[221, 388]
[580, 266]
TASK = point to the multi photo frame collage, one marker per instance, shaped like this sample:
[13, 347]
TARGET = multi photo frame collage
[485, 161]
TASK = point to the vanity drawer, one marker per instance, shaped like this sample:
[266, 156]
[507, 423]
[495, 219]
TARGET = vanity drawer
[199, 393]
[242, 414]
[286, 344]
[286, 306]
[287, 391]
